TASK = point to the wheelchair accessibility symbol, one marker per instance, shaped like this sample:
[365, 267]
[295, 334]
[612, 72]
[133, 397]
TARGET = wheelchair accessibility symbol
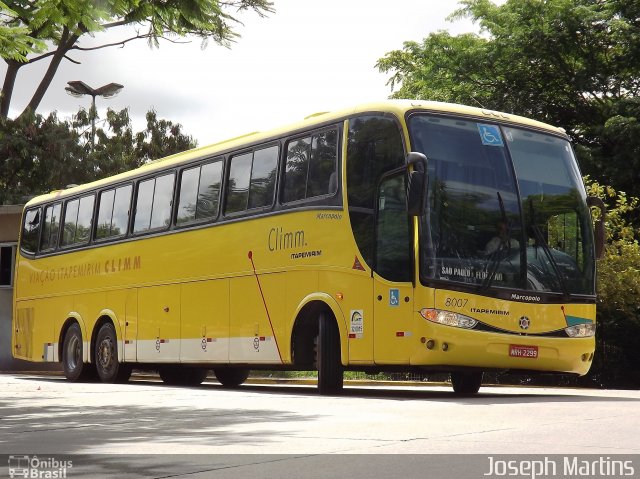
[490, 135]
[394, 297]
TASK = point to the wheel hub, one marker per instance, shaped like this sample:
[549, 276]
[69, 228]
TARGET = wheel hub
[105, 353]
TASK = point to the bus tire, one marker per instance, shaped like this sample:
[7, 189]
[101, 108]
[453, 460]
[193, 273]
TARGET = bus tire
[74, 369]
[231, 377]
[466, 382]
[109, 369]
[330, 374]
[175, 375]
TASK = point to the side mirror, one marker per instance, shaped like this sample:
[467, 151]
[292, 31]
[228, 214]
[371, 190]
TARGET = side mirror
[593, 201]
[417, 188]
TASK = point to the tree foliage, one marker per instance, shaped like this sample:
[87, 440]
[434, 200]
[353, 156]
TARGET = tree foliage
[618, 291]
[45, 153]
[572, 63]
[15, 41]
[61, 24]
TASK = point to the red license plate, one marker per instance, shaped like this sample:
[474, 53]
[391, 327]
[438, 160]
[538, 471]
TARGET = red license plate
[516, 351]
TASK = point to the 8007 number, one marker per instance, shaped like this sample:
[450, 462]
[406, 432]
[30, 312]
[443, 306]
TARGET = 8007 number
[455, 302]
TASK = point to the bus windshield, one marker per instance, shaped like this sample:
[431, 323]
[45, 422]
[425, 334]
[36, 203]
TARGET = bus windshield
[506, 208]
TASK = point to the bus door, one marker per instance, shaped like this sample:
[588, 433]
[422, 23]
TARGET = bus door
[393, 286]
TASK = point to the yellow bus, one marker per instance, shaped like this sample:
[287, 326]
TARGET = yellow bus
[395, 236]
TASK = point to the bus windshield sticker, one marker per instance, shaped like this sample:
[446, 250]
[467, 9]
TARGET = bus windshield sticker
[490, 135]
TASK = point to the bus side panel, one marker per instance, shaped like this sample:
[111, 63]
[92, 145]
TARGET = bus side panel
[159, 324]
[130, 339]
[116, 301]
[49, 315]
[299, 285]
[204, 322]
[87, 307]
[22, 330]
[356, 288]
[256, 305]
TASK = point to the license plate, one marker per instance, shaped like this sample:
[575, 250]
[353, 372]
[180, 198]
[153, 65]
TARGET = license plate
[517, 351]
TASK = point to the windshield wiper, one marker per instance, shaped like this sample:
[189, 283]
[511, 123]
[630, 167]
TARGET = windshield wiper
[539, 237]
[502, 252]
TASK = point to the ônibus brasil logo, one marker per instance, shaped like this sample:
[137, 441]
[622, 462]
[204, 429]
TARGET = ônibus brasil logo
[38, 467]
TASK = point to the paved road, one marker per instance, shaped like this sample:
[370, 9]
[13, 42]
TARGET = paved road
[47, 415]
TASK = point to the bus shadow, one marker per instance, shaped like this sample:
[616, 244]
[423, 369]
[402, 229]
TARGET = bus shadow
[393, 393]
[487, 394]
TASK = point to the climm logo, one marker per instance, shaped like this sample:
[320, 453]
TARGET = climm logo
[282, 240]
[122, 264]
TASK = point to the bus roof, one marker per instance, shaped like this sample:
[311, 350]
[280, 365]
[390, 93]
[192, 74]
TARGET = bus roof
[397, 107]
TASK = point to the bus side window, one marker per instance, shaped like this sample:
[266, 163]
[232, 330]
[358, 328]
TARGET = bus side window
[30, 231]
[252, 180]
[70, 219]
[297, 170]
[199, 192]
[153, 203]
[113, 212]
[374, 147]
[51, 227]
[238, 186]
[263, 177]
[77, 221]
[311, 167]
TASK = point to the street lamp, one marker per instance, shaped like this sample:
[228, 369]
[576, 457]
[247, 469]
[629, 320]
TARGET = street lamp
[80, 88]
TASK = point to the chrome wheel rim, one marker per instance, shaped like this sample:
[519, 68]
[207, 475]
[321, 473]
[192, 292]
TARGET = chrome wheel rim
[106, 353]
[73, 355]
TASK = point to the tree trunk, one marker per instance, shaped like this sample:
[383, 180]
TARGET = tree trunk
[66, 42]
[7, 88]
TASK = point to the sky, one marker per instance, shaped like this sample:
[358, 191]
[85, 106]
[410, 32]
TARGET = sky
[306, 57]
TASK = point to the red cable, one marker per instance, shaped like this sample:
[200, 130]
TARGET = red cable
[265, 303]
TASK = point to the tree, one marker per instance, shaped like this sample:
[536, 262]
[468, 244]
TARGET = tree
[62, 24]
[572, 63]
[41, 154]
[15, 42]
[118, 148]
[617, 359]
[38, 155]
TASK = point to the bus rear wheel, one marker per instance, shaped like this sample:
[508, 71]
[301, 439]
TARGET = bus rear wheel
[231, 377]
[182, 375]
[74, 369]
[330, 373]
[466, 382]
[109, 369]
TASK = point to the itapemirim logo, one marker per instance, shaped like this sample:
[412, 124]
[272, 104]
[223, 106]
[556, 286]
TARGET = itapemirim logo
[38, 467]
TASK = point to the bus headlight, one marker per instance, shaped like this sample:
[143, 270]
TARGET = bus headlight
[585, 330]
[448, 318]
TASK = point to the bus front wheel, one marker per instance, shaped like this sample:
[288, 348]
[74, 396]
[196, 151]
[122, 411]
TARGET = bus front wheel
[110, 370]
[74, 369]
[330, 373]
[466, 382]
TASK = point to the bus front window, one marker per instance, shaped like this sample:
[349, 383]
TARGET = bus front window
[559, 249]
[506, 208]
[472, 230]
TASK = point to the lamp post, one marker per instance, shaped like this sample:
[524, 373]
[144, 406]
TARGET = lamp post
[79, 88]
